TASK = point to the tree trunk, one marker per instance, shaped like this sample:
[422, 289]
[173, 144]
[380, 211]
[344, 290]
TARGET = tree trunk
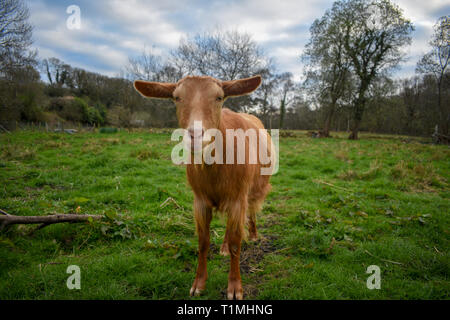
[354, 131]
[358, 110]
[357, 117]
[443, 111]
[326, 128]
[270, 121]
[282, 113]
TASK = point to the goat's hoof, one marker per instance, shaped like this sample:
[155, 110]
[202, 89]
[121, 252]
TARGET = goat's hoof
[253, 237]
[197, 288]
[224, 249]
[195, 292]
[234, 291]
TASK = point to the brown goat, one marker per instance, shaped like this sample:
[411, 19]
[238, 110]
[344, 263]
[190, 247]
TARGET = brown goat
[238, 190]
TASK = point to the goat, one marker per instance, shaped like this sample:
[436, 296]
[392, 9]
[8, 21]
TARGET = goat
[237, 190]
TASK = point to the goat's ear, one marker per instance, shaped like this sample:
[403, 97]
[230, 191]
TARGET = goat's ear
[241, 87]
[155, 89]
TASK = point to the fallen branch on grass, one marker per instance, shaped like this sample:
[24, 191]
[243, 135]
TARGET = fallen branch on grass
[8, 219]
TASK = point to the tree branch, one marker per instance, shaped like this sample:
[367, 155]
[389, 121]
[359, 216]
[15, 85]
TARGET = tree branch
[8, 219]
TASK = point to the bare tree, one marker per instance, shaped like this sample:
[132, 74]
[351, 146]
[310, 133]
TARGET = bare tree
[151, 67]
[15, 34]
[286, 93]
[264, 101]
[19, 88]
[224, 55]
[144, 67]
[436, 62]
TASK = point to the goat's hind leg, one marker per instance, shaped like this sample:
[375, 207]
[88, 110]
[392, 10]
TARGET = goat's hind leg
[234, 236]
[224, 250]
[254, 207]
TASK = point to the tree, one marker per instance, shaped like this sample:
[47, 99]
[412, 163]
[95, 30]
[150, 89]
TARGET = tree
[150, 67]
[58, 73]
[410, 94]
[223, 55]
[286, 90]
[436, 62]
[15, 35]
[328, 70]
[374, 32]
[20, 92]
[384, 108]
[264, 97]
[300, 115]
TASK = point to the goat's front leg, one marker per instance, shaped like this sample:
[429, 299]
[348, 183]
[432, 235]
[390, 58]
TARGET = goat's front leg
[234, 235]
[203, 215]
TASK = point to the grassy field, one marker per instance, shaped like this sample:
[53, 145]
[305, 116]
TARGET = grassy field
[336, 207]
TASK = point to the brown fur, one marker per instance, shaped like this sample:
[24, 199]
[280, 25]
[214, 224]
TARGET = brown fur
[237, 190]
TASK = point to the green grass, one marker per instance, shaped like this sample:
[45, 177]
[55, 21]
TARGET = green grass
[337, 206]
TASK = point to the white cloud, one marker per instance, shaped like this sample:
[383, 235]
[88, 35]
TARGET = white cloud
[112, 30]
[421, 11]
[145, 21]
[53, 38]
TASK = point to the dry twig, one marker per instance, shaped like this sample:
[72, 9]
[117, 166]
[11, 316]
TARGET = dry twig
[170, 199]
[394, 262]
[332, 185]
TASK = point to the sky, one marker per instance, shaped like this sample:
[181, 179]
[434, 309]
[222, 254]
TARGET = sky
[111, 31]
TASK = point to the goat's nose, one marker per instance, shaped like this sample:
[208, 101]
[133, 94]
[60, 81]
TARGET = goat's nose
[196, 133]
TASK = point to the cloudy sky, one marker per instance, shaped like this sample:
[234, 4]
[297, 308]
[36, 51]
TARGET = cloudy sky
[113, 30]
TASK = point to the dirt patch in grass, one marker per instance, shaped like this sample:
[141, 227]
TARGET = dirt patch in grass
[252, 253]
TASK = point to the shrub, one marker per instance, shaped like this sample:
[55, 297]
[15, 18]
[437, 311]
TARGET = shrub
[119, 116]
[70, 108]
[76, 109]
[101, 109]
[108, 130]
[93, 116]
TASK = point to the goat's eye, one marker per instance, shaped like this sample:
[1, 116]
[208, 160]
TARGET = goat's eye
[176, 98]
[219, 98]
